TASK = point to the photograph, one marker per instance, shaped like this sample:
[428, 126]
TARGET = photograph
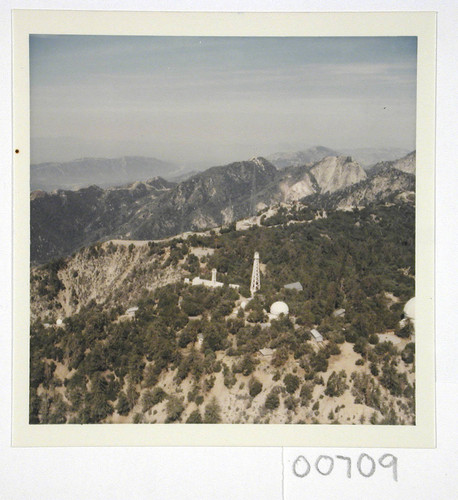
[222, 230]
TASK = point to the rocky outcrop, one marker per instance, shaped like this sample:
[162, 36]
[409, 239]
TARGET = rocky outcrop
[114, 271]
[337, 172]
[386, 185]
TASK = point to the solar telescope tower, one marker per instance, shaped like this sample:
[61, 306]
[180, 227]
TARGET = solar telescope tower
[255, 277]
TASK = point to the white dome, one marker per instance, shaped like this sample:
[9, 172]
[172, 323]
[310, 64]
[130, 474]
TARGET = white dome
[278, 308]
[409, 308]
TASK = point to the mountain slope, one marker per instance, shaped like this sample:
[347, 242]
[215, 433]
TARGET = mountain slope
[385, 185]
[405, 164]
[211, 198]
[194, 353]
[63, 221]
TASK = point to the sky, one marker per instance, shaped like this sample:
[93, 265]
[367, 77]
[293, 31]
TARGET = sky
[212, 100]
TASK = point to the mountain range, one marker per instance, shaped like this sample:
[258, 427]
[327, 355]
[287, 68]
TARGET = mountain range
[103, 172]
[109, 172]
[366, 157]
[63, 221]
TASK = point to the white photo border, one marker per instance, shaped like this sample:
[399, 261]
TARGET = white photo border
[419, 24]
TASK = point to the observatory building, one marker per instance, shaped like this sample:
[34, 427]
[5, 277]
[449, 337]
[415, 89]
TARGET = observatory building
[409, 315]
[210, 283]
[278, 308]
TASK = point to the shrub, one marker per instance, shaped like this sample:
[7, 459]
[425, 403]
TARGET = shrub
[290, 403]
[152, 398]
[336, 385]
[254, 387]
[291, 383]
[408, 353]
[194, 418]
[306, 394]
[319, 362]
[174, 409]
[280, 357]
[272, 401]
[374, 369]
[373, 339]
[229, 380]
[212, 413]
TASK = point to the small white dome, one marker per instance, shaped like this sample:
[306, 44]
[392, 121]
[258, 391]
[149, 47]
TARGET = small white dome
[278, 308]
[244, 304]
[409, 308]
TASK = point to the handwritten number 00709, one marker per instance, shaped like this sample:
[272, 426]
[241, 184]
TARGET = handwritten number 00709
[365, 464]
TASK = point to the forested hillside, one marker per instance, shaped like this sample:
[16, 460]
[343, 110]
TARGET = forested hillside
[191, 354]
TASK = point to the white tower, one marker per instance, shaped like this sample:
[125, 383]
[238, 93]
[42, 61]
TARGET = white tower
[213, 276]
[255, 277]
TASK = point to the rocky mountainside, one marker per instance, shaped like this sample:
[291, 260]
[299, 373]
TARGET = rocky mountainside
[386, 184]
[405, 164]
[116, 271]
[64, 221]
[325, 176]
[217, 196]
[337, 172]
[102, 172]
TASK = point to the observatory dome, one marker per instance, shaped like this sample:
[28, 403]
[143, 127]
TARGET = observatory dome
[278, 308]
[409, 309]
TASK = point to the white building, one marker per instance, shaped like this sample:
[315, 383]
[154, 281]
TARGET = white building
[278, 308]
[131, 311]
[316, 335]
[210, 283]
[294, 286]
[339, 313]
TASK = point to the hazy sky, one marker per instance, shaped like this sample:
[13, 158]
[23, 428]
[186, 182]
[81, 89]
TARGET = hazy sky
[214, 100]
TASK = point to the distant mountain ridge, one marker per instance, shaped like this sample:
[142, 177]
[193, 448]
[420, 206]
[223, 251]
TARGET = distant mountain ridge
[102, 172]
[299, 158]
[64, 221]
[366, 157]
